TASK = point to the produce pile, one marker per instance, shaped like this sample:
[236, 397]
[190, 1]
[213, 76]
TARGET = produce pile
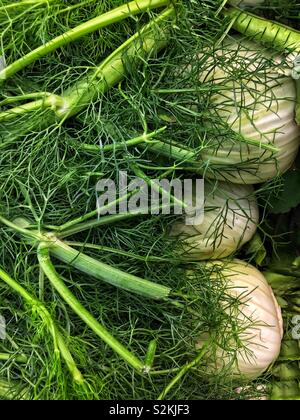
[96, 304]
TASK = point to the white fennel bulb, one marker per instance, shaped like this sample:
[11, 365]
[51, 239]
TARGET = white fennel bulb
[257, 102]
[258, 322]
[230, 220]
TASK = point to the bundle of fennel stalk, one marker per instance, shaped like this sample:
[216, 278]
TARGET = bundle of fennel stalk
[102, 308]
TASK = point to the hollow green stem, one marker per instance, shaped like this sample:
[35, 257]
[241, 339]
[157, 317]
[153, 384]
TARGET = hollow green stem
[19, 98]
[93, 267]
[51, 101]
[4, 357]
[81, 219]
[139, 173]
[102, 221]
[21, 226]
[173, 151]
[113, 16]
[144, 44]
[60, 346]
[149, 359]
[69, 298]
[106, 273]
[147, 42]
[260, 29]
[11, 114]
[190, 159]
[258, 144]
[164, 372]
[183, 371]
[41, 285]
[145, 138]
[148, 258]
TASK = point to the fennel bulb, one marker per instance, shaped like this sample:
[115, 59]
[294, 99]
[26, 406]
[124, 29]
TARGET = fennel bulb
[230, 220]
[257, 102]
[258, 321]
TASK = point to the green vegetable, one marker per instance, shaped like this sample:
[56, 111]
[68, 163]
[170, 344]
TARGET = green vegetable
[60, 347]
[116, 15]
[230, 220]
[260, 109]
[151, 39]
[259, 324]
[89, 265]
[114, 298]
[260, 29]
[288, 390]
[289, 196]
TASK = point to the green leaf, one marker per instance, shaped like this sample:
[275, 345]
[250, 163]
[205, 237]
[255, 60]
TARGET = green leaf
[287, 371]
[289, 197]
[257, 249]
[290, 351]
[287, 390]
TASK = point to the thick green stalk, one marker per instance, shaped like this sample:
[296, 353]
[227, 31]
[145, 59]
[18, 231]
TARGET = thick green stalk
[191, 159]
[106, 273]
[4, 357]
[90, 266]
[174, 152]
[116, 15]
[21, 98]
[21, 226]
[277, 35]
[184, 370]
[149, 359]
[51, 101]
[144, 138]
[147, 42]
[59, 344]
[70, 299]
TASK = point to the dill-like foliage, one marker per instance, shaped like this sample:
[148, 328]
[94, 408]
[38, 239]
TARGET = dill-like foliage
[47, 177]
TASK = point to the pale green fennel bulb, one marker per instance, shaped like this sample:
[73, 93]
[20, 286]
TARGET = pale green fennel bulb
[256, 101]
[231, 217]
[258, 319]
